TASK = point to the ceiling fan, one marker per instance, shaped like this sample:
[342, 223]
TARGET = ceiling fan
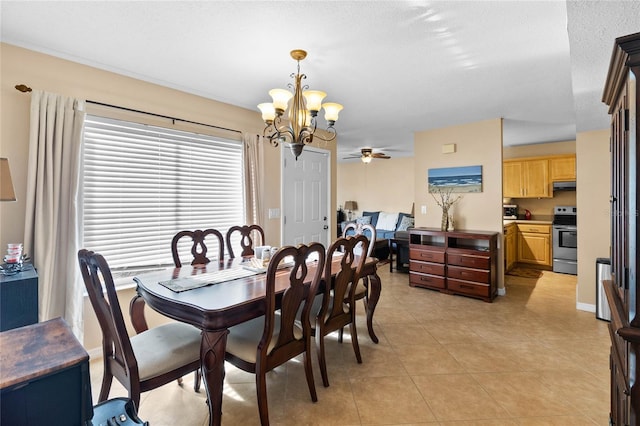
[367, 154]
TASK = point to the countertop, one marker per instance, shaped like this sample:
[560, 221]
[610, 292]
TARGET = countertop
[533, 222]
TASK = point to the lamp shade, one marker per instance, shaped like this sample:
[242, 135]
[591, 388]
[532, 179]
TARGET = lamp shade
[351, 205]
[6, 185]
[281, 98]
[331, 111]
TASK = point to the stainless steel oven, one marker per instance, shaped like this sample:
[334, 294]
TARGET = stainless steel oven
[565, 240]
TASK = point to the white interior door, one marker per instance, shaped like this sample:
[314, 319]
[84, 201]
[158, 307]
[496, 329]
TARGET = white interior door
[305, 197]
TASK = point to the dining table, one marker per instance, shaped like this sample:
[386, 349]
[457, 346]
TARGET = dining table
[225, 293]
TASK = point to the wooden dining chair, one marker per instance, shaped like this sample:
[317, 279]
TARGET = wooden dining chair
[335, 309]
[362, 288]
[247, 232]
[260, 345]
[367, 230]
[199, 247]
[142, 362]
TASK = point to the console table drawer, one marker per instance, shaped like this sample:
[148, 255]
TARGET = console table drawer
[468, 274]
[466, 287]
[482, 262]
[428, 268]
[422, 280]
[426, 255]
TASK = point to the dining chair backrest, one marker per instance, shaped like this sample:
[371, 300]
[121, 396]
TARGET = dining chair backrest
[116, 345]
[287, 334]
[338, 305]
[247, 234]
[142, 362]
[199, 247]
[299, 294]
[368, 230]
[343, 283]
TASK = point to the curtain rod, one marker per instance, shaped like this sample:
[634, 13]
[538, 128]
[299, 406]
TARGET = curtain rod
[24, 89]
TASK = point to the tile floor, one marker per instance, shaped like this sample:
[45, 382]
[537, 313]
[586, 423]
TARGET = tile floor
[528, 358]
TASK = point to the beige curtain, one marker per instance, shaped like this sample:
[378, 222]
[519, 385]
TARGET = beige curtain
[254, 178]
[52, 226]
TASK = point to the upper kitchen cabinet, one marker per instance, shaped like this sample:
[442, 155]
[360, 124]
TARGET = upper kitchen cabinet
[532, 177]
[526, 178]
[563, 168]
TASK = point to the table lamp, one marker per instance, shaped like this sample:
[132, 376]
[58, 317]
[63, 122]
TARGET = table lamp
[350, 206]
[6, 185]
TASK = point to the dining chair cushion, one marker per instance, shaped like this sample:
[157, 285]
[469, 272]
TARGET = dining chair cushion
[243, 338]
[360, 289]
[165, 348]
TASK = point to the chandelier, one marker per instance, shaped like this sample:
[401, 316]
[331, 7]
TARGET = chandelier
[300, 126]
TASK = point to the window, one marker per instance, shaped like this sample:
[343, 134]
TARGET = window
[141, 184]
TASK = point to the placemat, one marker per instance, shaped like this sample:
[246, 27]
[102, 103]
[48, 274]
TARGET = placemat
[202, 280]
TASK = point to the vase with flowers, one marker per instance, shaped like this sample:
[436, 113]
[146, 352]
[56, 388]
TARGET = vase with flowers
[445, 200]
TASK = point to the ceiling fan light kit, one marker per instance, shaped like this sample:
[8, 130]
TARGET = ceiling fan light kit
[300, 126]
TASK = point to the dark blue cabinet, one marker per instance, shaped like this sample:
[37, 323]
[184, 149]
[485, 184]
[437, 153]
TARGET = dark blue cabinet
[19, 299]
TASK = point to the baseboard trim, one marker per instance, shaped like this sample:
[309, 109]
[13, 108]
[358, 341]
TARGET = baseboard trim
[502, 291]
[585, 307]
[95, 353]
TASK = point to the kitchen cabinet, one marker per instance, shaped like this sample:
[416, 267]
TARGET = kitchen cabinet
[456, 262]
[622, 95]
[563, 168]
[534, 244]
[510, 246]
[526, 178]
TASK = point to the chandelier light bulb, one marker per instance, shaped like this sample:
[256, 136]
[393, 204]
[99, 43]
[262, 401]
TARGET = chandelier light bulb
[281, 99]
[268, 112]
[314, 100]
[331, 111]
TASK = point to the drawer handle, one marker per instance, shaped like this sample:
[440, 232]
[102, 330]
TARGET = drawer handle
[470, 287]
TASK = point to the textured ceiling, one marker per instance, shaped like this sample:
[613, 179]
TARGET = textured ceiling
[397, 66]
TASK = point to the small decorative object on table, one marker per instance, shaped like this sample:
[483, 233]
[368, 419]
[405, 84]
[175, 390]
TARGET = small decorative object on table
[14, 259]
[445, 201]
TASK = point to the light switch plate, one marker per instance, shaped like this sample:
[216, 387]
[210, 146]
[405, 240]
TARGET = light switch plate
[423, 209]
[274, 213]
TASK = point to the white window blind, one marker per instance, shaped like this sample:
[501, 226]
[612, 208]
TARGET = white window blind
[142, 184]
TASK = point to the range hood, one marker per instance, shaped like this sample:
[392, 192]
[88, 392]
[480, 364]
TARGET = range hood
[564, 186]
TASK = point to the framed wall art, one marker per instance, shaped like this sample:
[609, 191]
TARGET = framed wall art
[455, 179]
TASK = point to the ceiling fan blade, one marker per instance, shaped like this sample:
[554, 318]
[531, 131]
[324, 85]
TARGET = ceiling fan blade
[380, 155]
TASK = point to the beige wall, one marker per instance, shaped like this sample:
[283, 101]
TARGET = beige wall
[382, 185]
[532, 150]
[594, 236]
[477, 143]
[44, 72]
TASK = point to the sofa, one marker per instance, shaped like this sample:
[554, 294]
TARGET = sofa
[388, 225]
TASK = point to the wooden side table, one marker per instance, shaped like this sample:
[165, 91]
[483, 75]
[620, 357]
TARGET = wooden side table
[401, 246]
[45, 376]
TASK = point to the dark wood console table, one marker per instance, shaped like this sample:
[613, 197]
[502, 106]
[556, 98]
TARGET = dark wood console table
[457, 262]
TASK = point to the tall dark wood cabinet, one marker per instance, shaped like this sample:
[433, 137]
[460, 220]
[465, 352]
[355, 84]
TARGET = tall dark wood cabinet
[621, 95]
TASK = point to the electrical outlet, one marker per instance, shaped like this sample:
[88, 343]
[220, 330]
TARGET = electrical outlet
[423, 209]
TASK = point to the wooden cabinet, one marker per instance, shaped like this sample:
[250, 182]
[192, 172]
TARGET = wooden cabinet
[534, 244]
[45, 376]
[510, 246]
[563, 168]
[621, 94]
[526, 178]
[19, 299]
[455, 262]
